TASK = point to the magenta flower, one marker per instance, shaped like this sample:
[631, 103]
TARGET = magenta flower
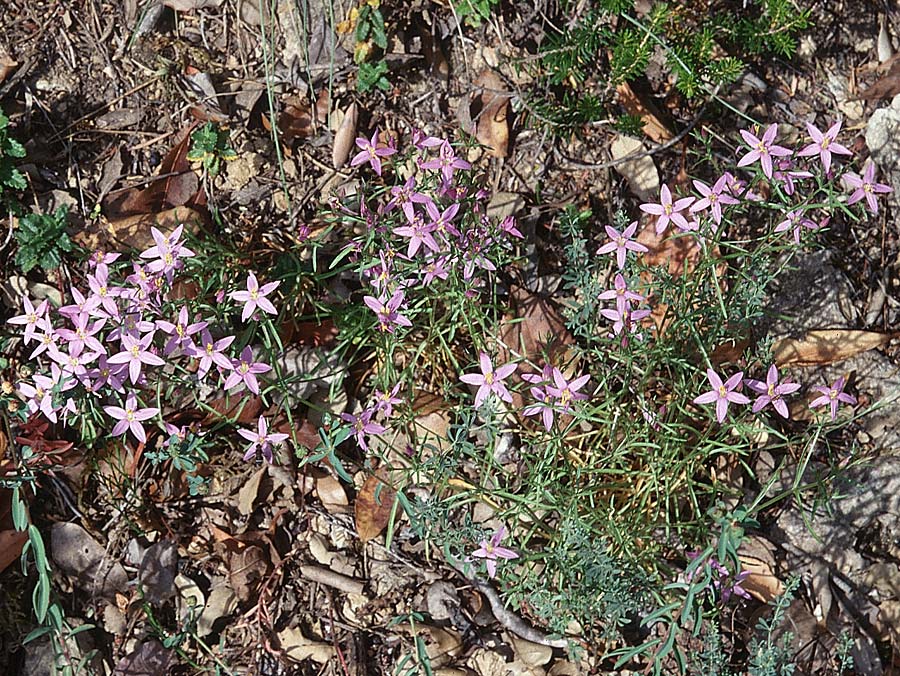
[40, 396]
[796, 220]
[543, 406]
[82, 304]
[99, 285]
[362, 425]
[384, 401]
[255, 297]
[865, 187]
[772, 392]
[405, 196]
[371, 153]
[443, 221]
[626, 322]
[667, 210]
[824, 145]
[210, 352]
[446, 161]
[565, 392]
[130, 418]
[245, 370]
[33, 319]
[621, 243]
[833, 396]
[762, 149]
[136, 352]
[435, 268]
[786, 175]
[723, 393]
[180, 332]
[419, 233]
[386, 310]
[621, 293]
[489, 380]
[262, 440]
[167, 253]
[84, 333]
[491, 550]
[713, 198]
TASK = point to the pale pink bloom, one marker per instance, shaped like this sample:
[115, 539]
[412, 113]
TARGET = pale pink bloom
[168, 253]
[210, 352]
[762, 149]
[245, 370]
[180, 332]
[723, 393]
[371, 153]
[40, 396]
[621, 243]
[384, 401]
[865, 187]
[713, 198]
[262, 440]
[667, 210]
[33, 319]
[387, 311]
[772, 392]
[621, 293]
[136, 352]
[796, 220]
[824, 144]
[255, 297]
[565, 392]
[833, 396]
[130, 417]
[491, 550]
[362, 425]
[489, 380]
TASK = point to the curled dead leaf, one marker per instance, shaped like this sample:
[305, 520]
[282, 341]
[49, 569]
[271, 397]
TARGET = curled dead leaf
[489, 110]
[373, 505]
[344, 137]
[827, 346]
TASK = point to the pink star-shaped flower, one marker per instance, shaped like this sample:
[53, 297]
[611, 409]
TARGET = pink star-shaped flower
[723, 393]
[667, 210]
[833, 396]
[865, 187]
[255, 297]
[824, 145]
[491, 550]
[621, 243]
[489, 380]
[762, 149]
[772, 392]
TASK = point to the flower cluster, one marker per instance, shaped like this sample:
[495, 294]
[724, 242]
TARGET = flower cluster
[109, 348]
[771, 393]
[431, 227]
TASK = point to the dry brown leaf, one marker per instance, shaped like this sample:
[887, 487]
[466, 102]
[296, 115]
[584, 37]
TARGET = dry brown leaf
[331, 494]
[536, 327]
[344, 137]
[177, 185]
[887, 86]
[295, 120]
[827, 346]
[7, 65]
[758, 558]
[11, 543]
[373, 506]
[239, 410]
[134, 231]
[635, 104]
[297, 648]
[490, 110]
[246, 570]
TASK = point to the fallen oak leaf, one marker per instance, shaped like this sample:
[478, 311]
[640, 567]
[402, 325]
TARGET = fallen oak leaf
[827, 346]
[373, 506]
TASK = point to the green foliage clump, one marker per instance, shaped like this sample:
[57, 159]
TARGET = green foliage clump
[10, 150]
[704, 47]
[42, 240]
[210, 146]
